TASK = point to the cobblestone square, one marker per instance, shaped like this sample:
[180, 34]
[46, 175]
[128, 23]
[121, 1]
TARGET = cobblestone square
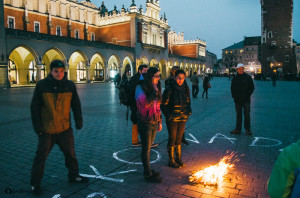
[105, 144]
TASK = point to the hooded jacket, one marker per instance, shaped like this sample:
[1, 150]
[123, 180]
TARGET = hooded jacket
[285, 177]
[176, 102]
[51, 104]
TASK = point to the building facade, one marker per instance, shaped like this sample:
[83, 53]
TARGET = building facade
[95, 43]
[277, 53]
[246, 52]
[211, 60]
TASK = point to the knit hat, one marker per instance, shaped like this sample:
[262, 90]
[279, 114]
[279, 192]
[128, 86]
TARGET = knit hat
[56, 64]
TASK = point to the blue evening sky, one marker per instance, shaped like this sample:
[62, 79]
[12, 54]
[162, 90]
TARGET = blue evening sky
[219, 22]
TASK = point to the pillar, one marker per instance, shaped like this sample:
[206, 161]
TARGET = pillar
[38, 72]
[4, 81]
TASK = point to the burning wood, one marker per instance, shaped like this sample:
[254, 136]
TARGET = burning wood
[215, 174]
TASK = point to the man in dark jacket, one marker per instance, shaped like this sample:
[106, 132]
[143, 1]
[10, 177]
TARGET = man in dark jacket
[134, 80]
[195, 87]
[50, 113]
[242, 87]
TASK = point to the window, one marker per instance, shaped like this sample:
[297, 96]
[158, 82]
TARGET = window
[58, 30]
[37, 26]
[12, 72]
[241, 51]
[93, 37]
[226, 52]
[76, 34]
[270, 35]
[287, 58]
[81, 71]
[11, 22]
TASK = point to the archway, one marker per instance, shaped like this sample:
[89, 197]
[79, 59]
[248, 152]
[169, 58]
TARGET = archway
[97, 68]
[48, 57]
[144, 61]
[78, 67]
[113, 66]
[181, 65]
[22, 66]
[154, 63]
[176, 63]
[128, 66]
[163, 68]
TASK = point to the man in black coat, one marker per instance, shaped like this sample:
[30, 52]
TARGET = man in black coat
[242, 87]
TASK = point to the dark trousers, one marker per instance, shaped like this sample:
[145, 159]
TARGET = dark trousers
[239, 108]
[195, 90]
[205, 91]
[175, 130]
[65, 141]
[147, 133]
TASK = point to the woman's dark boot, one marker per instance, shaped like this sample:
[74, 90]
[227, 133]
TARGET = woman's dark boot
[178, 155]
[172, 162]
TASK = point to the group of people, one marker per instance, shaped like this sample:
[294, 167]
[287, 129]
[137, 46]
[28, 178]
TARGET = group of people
[55, 95]
[195, 85]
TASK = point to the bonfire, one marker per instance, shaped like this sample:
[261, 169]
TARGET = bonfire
[214, 174]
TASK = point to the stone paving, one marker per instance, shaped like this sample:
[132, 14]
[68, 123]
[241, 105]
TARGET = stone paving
[274, 120]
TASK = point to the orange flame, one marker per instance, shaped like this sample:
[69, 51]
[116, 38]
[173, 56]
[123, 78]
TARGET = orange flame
[214, 175]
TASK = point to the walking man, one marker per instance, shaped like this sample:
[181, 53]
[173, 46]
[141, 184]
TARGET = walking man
[242, 87]
[195, 85]
[50, 113]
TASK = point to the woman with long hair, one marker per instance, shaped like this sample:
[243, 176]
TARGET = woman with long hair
[148, 100]
[176, 106]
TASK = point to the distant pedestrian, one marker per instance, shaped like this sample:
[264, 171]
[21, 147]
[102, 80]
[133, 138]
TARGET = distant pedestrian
[117, 79]
[176, 106]
[195, 85]
[274, 78]
[206, 85]
[50, 113]
[242, 87]
[148, 100]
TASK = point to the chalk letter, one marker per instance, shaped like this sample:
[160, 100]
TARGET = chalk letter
[262, 138]
[223, 137]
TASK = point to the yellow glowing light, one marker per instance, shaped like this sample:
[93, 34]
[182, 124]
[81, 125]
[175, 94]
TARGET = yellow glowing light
[214, 174]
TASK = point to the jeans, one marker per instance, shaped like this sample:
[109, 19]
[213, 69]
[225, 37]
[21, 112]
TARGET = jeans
[175, 130]
[238, 108]
[147, 133]
[65, 141]
[195, 90]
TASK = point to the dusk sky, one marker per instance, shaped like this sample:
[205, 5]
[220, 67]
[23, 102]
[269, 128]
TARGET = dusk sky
[220, 23]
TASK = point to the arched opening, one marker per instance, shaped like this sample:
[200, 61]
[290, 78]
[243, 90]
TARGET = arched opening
[154, 63]
[97, 68]
[77, 67]
[176, 63]
[181, 65]
[48, 57]
[22, 66]
[113, 66]
[163, 68]
[128, 66]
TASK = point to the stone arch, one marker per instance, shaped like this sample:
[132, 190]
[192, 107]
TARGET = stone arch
[78, 67]
[113, 66]
[144, 61]
[97, 67]
[154, 63]
[176, 63]
[50, 55]
[163, 68]
[22, 65]
[128, 65]
[181, 65]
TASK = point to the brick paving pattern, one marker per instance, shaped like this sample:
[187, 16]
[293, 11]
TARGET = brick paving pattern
[274, 115]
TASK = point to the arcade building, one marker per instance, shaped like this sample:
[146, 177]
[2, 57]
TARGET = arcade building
[94, 43]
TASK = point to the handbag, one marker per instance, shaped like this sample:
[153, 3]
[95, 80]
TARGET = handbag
[208, 85]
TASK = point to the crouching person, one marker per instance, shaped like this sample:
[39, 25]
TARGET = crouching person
[50, 113]
[148, 100]
[176, 106]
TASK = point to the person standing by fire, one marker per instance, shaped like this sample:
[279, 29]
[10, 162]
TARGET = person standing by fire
[176, 106]
[148, 100]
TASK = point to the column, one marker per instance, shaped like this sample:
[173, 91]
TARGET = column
[88, 74]
[38, 72]
[4, 81]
